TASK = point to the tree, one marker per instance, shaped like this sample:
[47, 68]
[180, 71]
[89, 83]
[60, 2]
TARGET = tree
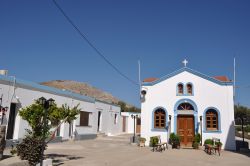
[34, 115]
[125, 108]
[243, 114]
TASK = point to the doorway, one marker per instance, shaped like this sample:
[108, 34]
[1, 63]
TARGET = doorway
[99, 121]
[124, 123]
[185, 129]
[11, 121]
[138, 125]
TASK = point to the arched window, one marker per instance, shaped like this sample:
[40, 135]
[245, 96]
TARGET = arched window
[180, 89]
[212, 120]
[160, 118]
[185, 106]
[189, 89]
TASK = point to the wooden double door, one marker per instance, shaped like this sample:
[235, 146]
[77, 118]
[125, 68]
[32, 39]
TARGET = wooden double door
[185, 129]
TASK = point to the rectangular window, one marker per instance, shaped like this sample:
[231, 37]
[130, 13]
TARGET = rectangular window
[84, 118]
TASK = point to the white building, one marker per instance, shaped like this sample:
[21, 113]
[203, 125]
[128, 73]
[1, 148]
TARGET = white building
[95, 116]
[187, 102]
[131, 124]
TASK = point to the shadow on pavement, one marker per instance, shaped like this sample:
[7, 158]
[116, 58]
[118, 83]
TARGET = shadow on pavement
[6, 156]
[58, 159]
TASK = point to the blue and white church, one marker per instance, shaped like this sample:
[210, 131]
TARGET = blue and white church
[188, 102]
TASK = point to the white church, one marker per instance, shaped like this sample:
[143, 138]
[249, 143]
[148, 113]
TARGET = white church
[187, 102]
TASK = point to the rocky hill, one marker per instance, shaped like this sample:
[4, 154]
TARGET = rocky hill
[83, 89]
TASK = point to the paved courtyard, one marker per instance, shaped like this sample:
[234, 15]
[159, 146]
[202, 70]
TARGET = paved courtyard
[115, 151]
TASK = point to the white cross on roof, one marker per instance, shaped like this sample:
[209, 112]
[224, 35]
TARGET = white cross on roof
[185, 62]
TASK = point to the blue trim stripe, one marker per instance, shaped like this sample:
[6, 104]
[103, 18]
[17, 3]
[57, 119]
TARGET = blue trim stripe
[190, 71]
[43, 88]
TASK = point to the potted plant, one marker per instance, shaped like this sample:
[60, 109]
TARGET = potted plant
[196, 141]
[153, 141]
[142, 142]
[209, 142]
[174, 140]
[218, 144]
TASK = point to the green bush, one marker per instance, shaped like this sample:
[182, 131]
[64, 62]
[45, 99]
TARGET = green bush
[30, 149]
[195, 145]
[174, 138]
[13, 150]
[247, 128]
[171, 137]
[197, 138]
[237, 128]
[218, 143]
[209, 142]
[153, 141]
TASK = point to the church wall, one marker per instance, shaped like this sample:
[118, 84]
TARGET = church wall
[206, 94]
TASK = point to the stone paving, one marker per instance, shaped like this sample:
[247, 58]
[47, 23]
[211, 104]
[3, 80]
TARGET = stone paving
[116, 151]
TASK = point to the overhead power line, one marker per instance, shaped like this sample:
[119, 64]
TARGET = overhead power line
[91, 44]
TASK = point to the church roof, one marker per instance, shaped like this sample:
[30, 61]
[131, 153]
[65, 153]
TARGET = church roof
[150, 79]
[221, 80]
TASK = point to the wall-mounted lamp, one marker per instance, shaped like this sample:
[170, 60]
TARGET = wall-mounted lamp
[200, 118]
[169, 116]
[143, 92]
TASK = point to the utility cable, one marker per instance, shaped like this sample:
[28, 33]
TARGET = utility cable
[91, 44]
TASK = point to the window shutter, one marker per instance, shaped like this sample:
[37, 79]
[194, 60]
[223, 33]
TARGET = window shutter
[84, 118]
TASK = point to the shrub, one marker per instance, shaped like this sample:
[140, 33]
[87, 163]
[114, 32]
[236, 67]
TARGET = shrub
[195, 145]
[154, 140]
[247, 128]
[209, 142]
[237, 128]
[174, 138]
[30, 149]
[197, 138]
[13, 150]
[218, 143]
[171, 137]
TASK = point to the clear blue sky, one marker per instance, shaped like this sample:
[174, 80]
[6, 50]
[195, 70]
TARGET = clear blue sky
[38, 44]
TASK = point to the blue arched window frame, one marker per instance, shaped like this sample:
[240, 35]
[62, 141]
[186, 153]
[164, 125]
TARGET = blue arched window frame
[177, 89]
[205, 121]
[186, 89]
[153, 122]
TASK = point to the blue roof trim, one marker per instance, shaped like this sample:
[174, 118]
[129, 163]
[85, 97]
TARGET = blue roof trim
[48, 89]
[190, 71]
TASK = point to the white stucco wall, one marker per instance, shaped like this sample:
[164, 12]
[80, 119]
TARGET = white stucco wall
[206, 94]
[27, 95]
[130, 121]
[107, 119]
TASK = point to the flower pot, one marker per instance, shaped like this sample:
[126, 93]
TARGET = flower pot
[142, 144]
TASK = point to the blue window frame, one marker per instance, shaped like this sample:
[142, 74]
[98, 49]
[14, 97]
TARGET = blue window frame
[189, 89]
[212, 120]
[159, 119]
[180, 89]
